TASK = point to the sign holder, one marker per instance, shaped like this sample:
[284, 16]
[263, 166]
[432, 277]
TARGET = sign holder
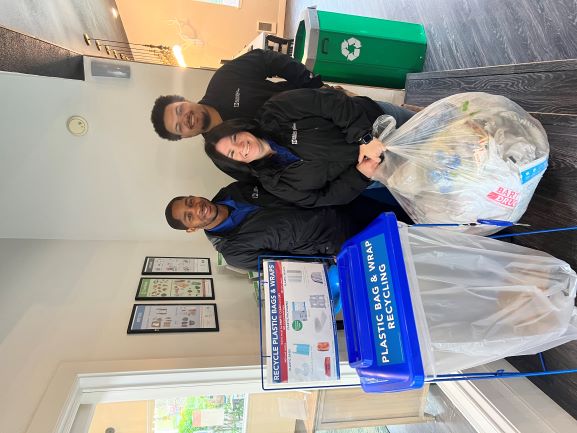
[298, 340]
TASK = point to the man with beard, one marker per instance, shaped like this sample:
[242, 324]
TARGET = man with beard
[236, 90]
[244, 222]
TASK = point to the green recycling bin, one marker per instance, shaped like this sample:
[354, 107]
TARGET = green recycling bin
[359, 50]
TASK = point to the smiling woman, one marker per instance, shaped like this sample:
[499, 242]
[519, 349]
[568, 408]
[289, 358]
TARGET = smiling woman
[244, 147]
[309, 147]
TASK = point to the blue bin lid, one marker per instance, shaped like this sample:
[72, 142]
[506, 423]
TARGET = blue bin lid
[380, 329]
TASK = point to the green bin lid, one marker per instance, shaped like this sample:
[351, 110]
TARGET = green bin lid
[307, 38]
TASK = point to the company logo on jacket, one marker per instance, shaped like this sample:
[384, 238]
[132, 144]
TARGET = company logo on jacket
[294, 139]
[237, 98]
[255, 192]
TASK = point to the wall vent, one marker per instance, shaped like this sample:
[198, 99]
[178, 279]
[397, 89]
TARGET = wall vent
[265, 27]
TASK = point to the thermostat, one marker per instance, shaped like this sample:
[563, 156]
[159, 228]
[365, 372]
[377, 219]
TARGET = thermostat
[77, 125]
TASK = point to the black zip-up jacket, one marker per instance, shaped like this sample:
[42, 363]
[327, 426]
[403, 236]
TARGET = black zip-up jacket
[322, 127]
[284, 229]
[239, 88]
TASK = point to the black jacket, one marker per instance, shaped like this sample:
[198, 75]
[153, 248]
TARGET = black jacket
[240, 87]
[322, 127]
[286, 230]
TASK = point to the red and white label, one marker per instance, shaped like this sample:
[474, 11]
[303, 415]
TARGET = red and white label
[282, 322]
[504, 196]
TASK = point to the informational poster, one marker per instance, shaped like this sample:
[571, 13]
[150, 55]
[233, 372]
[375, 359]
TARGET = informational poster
[175, 289]
[176, 265]
[299, 324]
[173, 318]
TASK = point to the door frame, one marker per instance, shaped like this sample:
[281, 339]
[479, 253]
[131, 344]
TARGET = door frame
[74, 385]
[496, 406]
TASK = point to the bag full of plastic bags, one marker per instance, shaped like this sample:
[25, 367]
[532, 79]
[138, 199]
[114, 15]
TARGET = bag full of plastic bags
[469, 156]
[484, 299]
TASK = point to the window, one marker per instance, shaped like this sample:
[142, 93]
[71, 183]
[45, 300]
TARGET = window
[195, 414]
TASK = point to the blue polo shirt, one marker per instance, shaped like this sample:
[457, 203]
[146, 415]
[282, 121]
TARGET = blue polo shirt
[237, 213]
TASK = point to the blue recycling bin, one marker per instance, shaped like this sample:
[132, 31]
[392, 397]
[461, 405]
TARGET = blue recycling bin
[420, 303]
[380, 328]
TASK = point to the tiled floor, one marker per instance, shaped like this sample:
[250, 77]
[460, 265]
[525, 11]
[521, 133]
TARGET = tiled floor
[471, 33]
[478, 33]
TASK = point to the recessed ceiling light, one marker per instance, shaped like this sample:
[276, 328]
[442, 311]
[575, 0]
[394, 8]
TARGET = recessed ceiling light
[114, 12]
[177, 51]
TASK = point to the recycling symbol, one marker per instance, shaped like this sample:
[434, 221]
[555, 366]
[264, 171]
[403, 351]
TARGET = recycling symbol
[351, 48]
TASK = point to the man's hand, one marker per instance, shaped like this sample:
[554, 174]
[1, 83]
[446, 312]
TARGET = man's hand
[345, 91]
[367, 167]
[372, 150]
[341, 89]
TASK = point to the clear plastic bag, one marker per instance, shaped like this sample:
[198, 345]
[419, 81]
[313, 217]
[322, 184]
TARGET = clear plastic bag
[466, 157]
[483, 299]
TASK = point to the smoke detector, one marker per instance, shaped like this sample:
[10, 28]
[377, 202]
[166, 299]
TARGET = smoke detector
[77, 125]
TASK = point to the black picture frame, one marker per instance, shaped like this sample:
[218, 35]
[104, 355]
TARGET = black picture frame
[166, 265]
[166, 285]
[170, 318]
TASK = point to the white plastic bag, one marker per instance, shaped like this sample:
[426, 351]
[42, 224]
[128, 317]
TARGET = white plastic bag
[483, 299]
[466, 157]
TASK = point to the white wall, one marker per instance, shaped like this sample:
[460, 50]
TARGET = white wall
[112, 183]
[70, 301]
[101, 199]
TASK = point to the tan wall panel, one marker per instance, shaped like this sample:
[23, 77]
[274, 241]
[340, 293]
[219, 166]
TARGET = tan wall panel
[224, 30]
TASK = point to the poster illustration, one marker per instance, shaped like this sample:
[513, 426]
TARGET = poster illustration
[300, 332]
[173, 318]
[176, 265]
[175, 288]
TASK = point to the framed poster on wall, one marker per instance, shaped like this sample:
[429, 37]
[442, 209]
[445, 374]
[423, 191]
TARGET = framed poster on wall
[174, 288]
[148, 318]
[176, 265]
[299, 339]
